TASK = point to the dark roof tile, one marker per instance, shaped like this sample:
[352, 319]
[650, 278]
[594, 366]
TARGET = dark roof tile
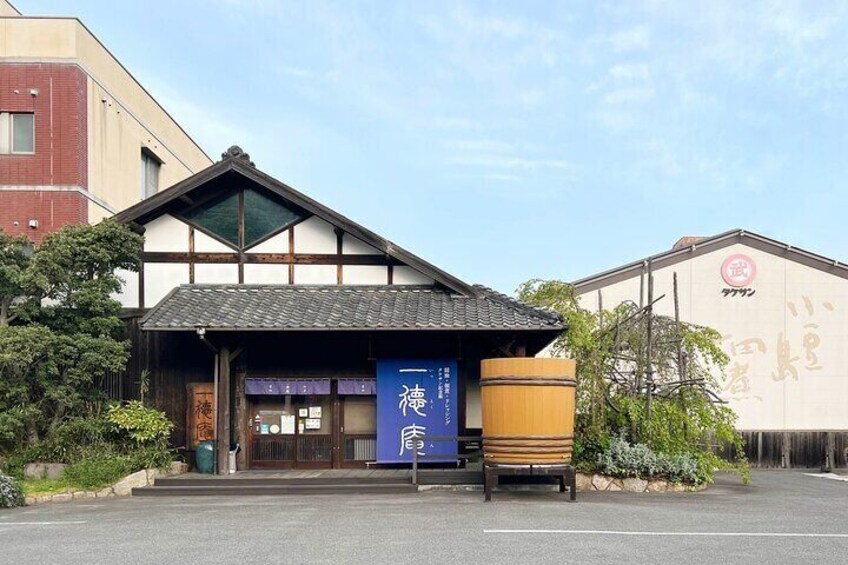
[305, 307]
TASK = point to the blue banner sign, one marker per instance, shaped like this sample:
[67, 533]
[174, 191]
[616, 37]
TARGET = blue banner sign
[416, 399]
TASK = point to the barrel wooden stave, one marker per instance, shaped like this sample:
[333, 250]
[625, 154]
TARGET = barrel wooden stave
[528, 410]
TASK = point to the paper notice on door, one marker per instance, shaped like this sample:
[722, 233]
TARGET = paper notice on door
[287, 424]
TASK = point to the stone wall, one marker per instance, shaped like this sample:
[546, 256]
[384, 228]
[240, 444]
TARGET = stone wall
[604, 483]
[123, 487]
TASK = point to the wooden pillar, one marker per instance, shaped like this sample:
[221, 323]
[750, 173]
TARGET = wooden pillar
[829, 452]
[786, 451]
[223, 416]
[240, 422]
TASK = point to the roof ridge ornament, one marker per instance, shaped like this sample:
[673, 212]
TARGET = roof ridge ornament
[236, 152]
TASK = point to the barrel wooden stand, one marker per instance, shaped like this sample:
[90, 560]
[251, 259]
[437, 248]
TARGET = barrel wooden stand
[566, 474]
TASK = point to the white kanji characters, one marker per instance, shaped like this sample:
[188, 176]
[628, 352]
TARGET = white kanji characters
[410, 438]
[413, 398]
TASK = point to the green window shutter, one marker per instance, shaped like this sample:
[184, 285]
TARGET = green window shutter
[218, 216]
[264, 216]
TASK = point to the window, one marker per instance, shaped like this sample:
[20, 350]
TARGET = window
[17, 133]
[149, 174]
[263, 216]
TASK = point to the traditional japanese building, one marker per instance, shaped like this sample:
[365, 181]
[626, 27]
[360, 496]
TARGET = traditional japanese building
[783, 316]
[322, 344]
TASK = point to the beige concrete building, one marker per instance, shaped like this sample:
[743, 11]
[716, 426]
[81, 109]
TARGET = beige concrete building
[80, 137]
[783, 316]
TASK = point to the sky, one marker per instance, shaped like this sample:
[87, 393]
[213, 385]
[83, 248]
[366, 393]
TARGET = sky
[505, 141]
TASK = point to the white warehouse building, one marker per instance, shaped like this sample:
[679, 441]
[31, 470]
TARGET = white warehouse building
[783, 316]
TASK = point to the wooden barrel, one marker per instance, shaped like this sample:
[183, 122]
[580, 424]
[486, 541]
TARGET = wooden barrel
[528, 410]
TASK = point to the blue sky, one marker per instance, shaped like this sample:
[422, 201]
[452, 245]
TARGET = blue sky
[504, 141]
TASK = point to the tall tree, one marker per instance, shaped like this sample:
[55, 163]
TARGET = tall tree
[15, 254]
[61, 335]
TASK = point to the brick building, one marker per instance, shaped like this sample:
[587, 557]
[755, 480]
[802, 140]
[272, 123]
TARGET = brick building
[80, 138]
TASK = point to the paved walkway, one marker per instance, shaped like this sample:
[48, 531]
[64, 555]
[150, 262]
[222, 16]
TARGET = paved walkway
[783, 517]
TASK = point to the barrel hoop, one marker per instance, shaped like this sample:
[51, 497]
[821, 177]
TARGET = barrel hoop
[518, 381]
[520, 445]
[525, 449]
[569, 436]
[526, 462]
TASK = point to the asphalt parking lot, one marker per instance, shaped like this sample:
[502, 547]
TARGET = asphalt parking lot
[783, 517]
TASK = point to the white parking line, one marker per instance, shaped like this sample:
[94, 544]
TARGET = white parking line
[42, 523]
[831, 476]
[699, 534]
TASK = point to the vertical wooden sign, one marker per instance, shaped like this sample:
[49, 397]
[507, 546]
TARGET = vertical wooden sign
[200, 413]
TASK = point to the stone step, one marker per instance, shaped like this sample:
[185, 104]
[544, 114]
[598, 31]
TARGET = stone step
[277, 481]
[274, 490]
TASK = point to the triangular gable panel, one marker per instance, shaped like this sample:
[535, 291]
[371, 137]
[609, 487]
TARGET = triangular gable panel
[205, 201]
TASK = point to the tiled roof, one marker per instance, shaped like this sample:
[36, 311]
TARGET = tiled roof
[305, 307]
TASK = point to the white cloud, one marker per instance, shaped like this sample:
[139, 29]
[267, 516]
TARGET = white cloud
[628, 40]
[630, 95]
[503, 177]
[477, 145]
[629, 72]
[509, 162]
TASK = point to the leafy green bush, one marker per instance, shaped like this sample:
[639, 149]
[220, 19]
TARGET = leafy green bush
[11, 494]
[622, 459]
[656, 389]
[144, 425]
[100, 470]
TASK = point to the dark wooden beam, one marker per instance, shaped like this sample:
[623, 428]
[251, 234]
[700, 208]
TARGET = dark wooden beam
[182, 257]
[240, 421]
[222, 423]
[191, 254]
[241, 236]
[291, 256]
[274, 258]
[141, 285]
[339, 242]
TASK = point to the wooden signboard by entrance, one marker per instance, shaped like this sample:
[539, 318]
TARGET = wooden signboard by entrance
[200, 414]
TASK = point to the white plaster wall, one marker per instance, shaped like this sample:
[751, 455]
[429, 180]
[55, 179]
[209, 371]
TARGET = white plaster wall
[314, 236]
[277, 244]
[206, 244]
[354, 246]
[795, 307]
[160, 279]
[166, 233]
[407, 275]
[128, 296]
[255, 273]
[365, 274]
[216, 273]
[314, 274]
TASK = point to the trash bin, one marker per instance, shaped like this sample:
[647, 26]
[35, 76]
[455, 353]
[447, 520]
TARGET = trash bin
[205, 457]
[232, 458]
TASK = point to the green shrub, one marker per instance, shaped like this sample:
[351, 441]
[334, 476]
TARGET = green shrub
[97, 471]
[150, 457]
[11, 494]
[14, 462]
[143, 425]
[622, 459]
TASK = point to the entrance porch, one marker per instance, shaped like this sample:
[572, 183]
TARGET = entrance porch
[317, 481]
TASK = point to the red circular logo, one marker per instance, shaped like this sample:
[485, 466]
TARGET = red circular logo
[738, 270]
